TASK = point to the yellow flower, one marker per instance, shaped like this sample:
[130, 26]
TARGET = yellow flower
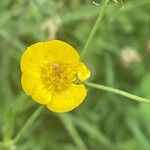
[50, 75]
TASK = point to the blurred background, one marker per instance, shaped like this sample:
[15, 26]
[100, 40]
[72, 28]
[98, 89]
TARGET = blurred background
[119, 56]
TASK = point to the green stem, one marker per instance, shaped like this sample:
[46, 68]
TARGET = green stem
[68, 124]
[117, 91]
[95, 27]
[28, 123]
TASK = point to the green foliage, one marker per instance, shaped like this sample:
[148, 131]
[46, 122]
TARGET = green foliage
[145, 85]
[103, 121]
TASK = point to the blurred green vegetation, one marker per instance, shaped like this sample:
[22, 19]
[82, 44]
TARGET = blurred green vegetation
[104, 121]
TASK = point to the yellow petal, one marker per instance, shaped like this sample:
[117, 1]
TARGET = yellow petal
[32, 85]
[83, 72]
[41, 95]
[34, 57]
[29, 80]
[62, 52]
[69, 99]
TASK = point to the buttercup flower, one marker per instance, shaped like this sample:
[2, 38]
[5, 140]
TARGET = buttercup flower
[50, 75]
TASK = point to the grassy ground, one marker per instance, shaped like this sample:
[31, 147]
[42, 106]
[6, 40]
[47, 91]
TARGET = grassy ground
[119, 56]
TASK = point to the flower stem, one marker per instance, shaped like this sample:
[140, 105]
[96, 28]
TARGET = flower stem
[95, 27]
[28, 123]
[117, 91]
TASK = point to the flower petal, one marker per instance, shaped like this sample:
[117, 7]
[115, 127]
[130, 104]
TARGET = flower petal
[69, 99]
[32, 85]
[34, 57]
[29, 80]
[41, 95]
[83, 72]
[62, 52]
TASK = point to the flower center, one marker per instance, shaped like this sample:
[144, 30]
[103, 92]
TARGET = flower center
[56, 76]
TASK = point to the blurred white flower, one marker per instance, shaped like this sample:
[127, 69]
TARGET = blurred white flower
[52, 26]
[129, 56]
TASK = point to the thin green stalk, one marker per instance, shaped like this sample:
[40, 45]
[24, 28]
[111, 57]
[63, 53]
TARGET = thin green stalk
[117, 91]
[68, 124]
[95, 27]
[28, 123]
